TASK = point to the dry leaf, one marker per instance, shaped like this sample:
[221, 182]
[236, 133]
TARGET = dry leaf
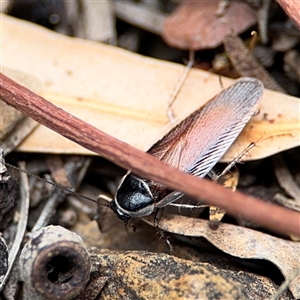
[126, 95]
[241, 242]
[196, 25]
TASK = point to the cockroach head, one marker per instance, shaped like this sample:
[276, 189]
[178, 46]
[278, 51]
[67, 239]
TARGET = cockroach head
[133, 198]
[121, 215]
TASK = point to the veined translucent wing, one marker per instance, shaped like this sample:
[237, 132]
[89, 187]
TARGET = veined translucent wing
[197, 143]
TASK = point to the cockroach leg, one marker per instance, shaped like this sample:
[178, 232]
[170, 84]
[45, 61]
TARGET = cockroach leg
[229, 180]
[157, 216]
[236, 160]
[166, 239]
[132, 224]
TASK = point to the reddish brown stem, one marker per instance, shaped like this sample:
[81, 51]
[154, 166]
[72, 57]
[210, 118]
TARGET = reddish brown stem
[292, 8]
[265, 214]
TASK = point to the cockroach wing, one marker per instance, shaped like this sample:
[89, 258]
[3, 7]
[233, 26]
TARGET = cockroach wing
[197, 143]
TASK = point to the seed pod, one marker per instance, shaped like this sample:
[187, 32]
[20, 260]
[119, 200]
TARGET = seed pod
[54, 264]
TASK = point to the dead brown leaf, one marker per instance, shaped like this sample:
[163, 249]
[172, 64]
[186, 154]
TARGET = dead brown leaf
[196, 25]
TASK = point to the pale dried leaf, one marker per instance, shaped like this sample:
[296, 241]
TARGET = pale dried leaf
[241, 242]
[196, 25]
[126, 95]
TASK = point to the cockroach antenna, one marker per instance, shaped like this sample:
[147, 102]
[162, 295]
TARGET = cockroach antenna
[56, 185]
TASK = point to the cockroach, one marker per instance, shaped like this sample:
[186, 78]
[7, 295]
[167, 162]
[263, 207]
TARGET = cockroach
[194, 146]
